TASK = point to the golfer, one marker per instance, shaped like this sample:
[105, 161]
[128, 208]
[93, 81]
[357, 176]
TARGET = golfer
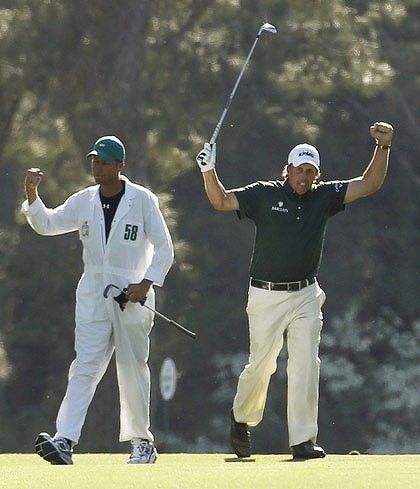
[284, 296]
[126, 242]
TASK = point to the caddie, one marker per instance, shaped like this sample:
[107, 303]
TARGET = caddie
[125, 242]
[290, 216]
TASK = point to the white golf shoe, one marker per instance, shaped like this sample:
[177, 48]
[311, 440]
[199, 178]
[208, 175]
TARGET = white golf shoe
[142, 452]
[57, 451]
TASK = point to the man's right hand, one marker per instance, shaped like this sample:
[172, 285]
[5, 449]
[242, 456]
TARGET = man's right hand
[206, 158]
[32, 180]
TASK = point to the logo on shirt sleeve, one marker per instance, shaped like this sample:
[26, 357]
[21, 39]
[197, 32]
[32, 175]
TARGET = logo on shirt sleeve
[337, 186]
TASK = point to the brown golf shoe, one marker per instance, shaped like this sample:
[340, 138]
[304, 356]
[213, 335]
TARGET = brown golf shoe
[307, 450]
[240, 437]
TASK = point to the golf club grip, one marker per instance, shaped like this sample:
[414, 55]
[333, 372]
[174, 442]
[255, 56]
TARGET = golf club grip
[218, 126]
[186, 331]
[189, 333]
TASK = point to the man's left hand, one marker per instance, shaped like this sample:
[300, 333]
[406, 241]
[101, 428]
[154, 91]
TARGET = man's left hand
[206, 158]
[138, 292]
[382, 132]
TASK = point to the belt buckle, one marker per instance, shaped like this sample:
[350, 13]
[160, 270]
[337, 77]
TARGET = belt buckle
[293, 286]
[297, 286]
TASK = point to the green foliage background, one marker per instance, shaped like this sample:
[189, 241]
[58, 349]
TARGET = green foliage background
[158, 73]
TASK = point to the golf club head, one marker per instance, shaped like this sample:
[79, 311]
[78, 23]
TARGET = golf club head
[269, 28]
[108, 288]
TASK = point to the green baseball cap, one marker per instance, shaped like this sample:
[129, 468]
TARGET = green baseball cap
[109, 148]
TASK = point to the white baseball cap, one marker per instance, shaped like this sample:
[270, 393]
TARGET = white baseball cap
[304, 153]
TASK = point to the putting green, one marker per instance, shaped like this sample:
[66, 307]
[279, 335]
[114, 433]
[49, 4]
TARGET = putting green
[207, 471]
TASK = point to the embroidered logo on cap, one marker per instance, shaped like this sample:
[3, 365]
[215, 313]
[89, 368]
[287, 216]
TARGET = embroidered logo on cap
[306, 153]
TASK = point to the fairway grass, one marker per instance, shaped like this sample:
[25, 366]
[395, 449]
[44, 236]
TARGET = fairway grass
[221, 471]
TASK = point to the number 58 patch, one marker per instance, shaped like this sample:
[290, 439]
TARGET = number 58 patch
[130, 232]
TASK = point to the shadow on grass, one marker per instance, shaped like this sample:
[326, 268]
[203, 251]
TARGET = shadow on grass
[295, 460]
[238, 459]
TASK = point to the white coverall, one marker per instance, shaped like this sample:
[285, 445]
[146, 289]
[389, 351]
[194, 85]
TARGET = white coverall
[139, 247]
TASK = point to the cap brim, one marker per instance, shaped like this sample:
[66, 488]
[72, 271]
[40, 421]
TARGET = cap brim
[92, 153]
[307, 162]
[102, 154]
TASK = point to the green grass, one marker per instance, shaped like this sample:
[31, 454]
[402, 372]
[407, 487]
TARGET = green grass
[191, 471]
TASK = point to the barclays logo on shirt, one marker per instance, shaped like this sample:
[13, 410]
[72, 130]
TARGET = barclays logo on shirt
[279, 207]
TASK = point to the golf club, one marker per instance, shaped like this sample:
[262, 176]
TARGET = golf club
[265, 27]
[122, 301]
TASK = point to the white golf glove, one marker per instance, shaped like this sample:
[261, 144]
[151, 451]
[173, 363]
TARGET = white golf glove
[206, 158]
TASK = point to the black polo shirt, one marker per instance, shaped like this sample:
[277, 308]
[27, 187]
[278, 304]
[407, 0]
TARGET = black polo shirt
[290, 228]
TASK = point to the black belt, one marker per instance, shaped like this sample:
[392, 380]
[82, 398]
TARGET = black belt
[287, 286]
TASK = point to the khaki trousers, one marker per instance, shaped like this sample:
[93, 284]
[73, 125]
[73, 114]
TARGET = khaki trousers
[270, 315]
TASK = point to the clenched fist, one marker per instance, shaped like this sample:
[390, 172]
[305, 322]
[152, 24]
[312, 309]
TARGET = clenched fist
[382, 132]
[32, 180]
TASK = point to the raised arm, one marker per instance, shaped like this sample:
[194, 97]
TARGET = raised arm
[45, 221]
[220, 198]
[374, 175]
[33, 178]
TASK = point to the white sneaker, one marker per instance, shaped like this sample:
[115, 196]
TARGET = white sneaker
[142, 452]
[57, 451]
